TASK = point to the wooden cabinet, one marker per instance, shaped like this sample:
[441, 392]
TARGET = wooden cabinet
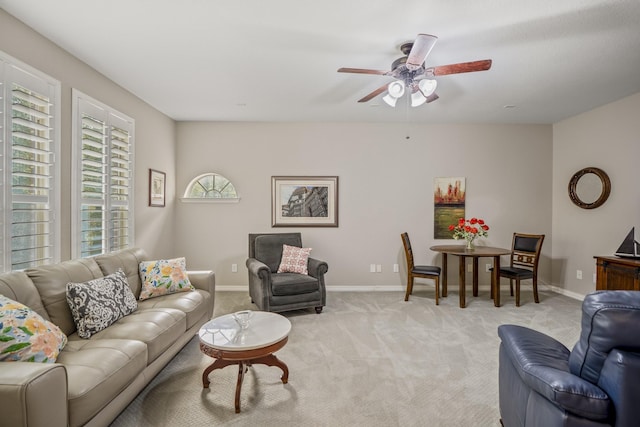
[617, 274]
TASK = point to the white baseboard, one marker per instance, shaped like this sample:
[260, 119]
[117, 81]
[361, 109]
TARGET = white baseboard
[368, 288]
[232, 288]
[565, 292]
[348, 288]
[398, 288]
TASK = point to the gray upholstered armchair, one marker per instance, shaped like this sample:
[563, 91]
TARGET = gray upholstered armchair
[273, 291]
[543, 384]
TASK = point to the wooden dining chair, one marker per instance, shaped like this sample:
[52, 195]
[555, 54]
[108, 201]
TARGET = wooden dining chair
[420, 271]
[525, 255]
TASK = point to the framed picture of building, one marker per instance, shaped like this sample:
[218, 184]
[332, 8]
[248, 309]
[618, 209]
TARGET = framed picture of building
[304, 201]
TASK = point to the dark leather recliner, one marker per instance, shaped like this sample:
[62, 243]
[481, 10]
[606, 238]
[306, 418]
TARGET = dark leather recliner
[273, 291]
[543, 384]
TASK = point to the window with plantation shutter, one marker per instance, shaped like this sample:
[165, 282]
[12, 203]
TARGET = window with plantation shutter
[102, 181]
[29, 182]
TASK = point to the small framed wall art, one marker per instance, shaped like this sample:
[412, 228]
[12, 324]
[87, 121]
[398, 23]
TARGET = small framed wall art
[449, 199]
[157, 187]
[304, 201]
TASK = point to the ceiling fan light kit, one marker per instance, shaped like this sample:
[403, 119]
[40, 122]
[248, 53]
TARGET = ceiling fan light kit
[395, 90]
[410, 72]
[427, 86]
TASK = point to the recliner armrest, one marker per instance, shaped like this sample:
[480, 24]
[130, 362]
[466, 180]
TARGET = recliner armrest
[33, 394]
[569, 391]
[543, 364]
[619, 378]
[317, 268]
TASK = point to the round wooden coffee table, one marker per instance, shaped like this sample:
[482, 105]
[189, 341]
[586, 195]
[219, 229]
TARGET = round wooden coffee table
[222, 339]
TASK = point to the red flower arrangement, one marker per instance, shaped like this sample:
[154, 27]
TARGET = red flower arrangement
[469, 229]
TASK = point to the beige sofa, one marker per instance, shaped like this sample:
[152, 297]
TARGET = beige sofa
[94, 379]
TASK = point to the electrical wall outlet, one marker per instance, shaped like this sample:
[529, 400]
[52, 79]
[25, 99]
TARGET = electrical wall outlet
[372, 268]
[395, 268]
[487, 268]
[378, 268]
[469, 268]
[234, 268]
[579, 274]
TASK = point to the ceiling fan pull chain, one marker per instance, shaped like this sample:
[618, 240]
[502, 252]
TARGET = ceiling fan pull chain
[406, 112]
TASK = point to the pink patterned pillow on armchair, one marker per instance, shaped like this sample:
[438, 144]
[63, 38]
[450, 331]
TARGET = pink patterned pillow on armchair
[294, 260]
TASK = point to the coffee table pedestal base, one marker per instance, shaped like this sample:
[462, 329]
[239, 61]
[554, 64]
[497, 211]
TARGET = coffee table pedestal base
[244, 359]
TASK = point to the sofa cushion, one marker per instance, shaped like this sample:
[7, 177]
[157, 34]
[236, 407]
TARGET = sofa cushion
[294, 260]
[51, 281]
[129, 261]
[98, 303]
[19, 287]
[97, 371]
[164, 277]
[158, 328]
[25, 336]
[193, 304]
[293, 284]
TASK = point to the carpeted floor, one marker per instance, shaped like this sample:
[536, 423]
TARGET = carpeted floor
[370, 359]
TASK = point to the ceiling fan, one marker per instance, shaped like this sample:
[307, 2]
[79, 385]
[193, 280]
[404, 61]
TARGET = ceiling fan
[411, 74]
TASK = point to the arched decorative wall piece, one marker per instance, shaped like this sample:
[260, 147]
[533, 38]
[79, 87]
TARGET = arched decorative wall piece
[589, 188]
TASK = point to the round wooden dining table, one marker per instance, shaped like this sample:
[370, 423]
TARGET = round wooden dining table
[463, 253]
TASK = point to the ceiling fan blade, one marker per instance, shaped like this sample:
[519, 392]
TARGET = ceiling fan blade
[463, 67]
[363, 71]
[374, 93]
[420, 49]
[432, 97]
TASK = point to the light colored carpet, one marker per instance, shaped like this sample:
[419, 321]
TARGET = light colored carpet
[370, 359]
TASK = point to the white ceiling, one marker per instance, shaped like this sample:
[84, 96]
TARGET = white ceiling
[258, 60]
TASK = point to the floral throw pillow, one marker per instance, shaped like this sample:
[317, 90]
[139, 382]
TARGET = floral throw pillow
[98, 303]
[294, 260]
[164, 277]
[25, 336]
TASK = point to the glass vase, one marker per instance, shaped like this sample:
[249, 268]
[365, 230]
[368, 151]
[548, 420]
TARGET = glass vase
[470, 244]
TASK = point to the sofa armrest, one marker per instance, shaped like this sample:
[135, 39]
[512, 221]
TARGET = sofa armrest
[259, 282]
[317, 268]
[258, 269]
[619, 378]
[543, 365]
[33, 394]
[204, 280]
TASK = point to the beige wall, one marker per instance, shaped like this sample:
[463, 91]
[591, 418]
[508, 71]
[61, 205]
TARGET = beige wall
[517, 178]
[385, 188]
[155, 132]
[609, 138]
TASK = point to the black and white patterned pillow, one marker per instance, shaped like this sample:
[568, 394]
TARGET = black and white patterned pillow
[98, 303]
